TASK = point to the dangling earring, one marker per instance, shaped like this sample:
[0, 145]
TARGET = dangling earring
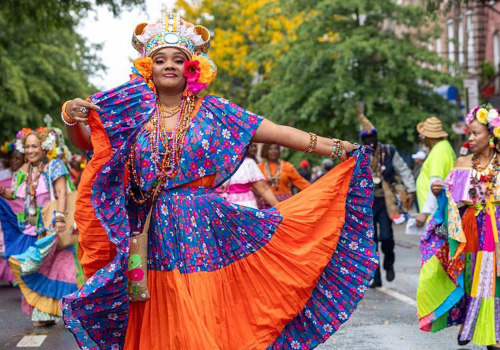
[492, 144]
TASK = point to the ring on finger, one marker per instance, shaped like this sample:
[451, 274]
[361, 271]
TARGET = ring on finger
[84, 110]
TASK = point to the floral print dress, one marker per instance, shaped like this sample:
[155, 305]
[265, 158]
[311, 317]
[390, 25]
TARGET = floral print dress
[221, 276]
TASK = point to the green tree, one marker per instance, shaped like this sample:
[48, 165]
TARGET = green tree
[43, 60]
[346, 52]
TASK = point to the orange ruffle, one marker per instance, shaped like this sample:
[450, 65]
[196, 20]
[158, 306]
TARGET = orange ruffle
[469, 225]
[95, 249]
[246, 304]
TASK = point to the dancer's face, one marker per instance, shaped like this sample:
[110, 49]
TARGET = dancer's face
[33, 149]
[479, 137]
[274, 153]
[252, 150]
[168, 70]
[16, 160]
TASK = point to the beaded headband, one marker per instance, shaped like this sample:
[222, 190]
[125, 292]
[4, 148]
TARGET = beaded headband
[170, 32]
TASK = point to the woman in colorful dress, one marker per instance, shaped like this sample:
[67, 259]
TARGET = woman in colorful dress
[280, 175]
[219, 276]
[44, 273]
[8, 180]
[245, 181]
[458, 282]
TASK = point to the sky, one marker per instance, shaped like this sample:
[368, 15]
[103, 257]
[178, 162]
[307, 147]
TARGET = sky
[115, 34]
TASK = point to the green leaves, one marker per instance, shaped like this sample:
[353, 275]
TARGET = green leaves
[316, 83]
[43, 60]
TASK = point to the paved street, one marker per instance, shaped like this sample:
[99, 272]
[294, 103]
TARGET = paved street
[386, 319]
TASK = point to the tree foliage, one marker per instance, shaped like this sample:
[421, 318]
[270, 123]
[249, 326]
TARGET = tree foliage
[43, 60]
[240, 28]
[346, 52]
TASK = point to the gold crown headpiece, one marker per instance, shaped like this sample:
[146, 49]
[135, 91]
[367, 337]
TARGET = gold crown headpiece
[170, 31]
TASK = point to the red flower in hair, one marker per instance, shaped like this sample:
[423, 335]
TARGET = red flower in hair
[192, 71]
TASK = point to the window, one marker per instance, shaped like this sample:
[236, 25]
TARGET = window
[461, 43]
[451, 43]
[470, 43]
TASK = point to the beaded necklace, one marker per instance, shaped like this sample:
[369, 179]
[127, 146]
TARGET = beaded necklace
[166, 163]
[483, 180]
[273, 181]
[32, 178]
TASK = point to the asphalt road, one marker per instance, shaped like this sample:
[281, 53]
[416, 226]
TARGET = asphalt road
[385, 319]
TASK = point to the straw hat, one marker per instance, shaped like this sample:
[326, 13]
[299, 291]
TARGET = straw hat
[431, 128]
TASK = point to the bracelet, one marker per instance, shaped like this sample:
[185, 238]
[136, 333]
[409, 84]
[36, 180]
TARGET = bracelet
[337, 149]
[313, 141]
[65, 117]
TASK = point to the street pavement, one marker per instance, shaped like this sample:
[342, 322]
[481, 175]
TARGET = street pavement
[385, 319]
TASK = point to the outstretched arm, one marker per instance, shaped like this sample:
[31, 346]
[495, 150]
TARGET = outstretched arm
[286, 136]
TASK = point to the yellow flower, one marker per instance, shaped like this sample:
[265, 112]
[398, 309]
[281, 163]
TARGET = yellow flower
[145, 67]
[481, 115]
[496, 132]
[207, 74]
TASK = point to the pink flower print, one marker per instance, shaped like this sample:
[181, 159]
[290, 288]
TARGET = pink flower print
[193, 167]
[199, 153]
[149, 176]
[207, 163]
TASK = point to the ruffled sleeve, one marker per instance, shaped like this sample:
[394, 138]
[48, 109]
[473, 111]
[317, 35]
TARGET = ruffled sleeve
[217, 141]
[57, 169]
[458, 184]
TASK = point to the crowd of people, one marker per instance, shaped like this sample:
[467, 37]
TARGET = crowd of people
[179, 236]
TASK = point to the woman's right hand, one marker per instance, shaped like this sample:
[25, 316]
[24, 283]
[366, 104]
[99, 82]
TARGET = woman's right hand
[437, 188]
[79, 109]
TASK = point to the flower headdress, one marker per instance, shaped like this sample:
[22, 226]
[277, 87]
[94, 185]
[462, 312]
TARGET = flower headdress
[47, 137]
[172, 31]
[7, 146]
[486, 115]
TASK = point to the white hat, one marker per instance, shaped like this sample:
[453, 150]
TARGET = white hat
[419, 155]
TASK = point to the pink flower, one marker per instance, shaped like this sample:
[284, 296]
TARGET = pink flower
[469, 118]
[192, 71]
[196, 87]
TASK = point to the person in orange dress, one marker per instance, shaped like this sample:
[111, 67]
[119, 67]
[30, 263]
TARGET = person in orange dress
[280, 174]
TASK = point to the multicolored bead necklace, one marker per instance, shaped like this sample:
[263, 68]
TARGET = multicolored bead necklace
[167, 163]
[483, 178]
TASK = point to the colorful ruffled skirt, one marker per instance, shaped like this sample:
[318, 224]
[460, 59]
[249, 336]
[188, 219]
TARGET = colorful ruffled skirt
[44, 273]
[458, 283]
[222, 276]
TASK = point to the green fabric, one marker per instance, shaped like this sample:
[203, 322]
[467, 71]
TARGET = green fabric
[434, 286]
[484, 332]
[439, 162]
[38, 316]
[497, 287]
[468, 274]
[440, 323]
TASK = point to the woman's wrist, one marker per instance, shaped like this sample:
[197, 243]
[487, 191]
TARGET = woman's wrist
[67, 120]
[337, 149]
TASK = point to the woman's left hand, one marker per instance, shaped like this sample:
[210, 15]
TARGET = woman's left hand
[60, 226]
[348, 148]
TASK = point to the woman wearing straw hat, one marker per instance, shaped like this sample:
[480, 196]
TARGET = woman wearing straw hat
[436, 167]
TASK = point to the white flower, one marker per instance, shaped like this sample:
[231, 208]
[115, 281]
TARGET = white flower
[115, 347]
[164, 209]
[328, 328]
[295, 344]
[19, 146]
[344, 271]
[362, 289]
[113, 316]
[226, 134]
[48, 144]
[89, 306]
[369, 233]
[201, 172]
[492, 114]
[204, 144]
[308, 313]
[328, 294]
[343, 315]
[353, 245]
[260, 214]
